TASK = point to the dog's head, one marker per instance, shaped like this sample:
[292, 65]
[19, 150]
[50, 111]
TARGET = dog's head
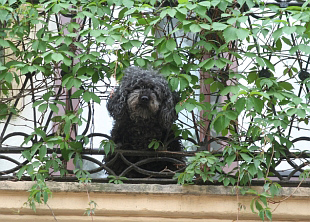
[142, 95]
[143, 102]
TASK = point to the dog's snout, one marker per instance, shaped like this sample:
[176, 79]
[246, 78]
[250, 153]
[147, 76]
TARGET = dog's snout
[144, 99]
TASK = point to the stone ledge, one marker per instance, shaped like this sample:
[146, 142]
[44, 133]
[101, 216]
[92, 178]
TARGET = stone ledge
[143, 188]
[145, 202]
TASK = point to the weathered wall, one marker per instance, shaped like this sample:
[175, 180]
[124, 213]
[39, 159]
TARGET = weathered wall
[143, 202]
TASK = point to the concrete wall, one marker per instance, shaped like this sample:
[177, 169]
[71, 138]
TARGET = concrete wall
[142, 202]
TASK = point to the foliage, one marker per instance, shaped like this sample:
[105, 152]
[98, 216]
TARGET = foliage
[116, 179]
[224, 63]
[108, 146]
[91, 210]
[38, 193]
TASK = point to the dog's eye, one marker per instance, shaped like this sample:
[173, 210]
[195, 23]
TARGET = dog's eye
[156, 94]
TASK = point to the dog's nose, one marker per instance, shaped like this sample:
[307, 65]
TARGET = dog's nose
[144, 99]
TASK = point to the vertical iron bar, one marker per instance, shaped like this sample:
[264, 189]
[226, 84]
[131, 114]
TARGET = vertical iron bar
[34, 109]
[15, 104]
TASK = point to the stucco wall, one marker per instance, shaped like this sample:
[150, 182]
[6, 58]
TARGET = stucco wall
[142, 202]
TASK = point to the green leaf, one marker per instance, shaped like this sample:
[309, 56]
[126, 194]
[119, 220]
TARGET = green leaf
[40, 132]
[268, 214]
[261, 214]
[232, 115]
[205, 26]
[243, 33]
[240, 104]
[207, 64]
[67, 40]
[140, 62]
[297, 100]
[56, 8]
[182, 10]
[252, 170]
[252, 205]
[189, 106]
[208, 81]
[109, 41]
[135, 43]
[107, 147]
[220, 123]
[230, 159]
[260, 61]
[246, 157]
[177, 59]
[35, 45]
[195, 28]
[67, 128]
[274, 190]
[220, 64]
[258, 104]
[183, 83]
[174, 82]
[54, 108]
[191, 6]
[45, 197]
[171, 45]
[216, 86]
[95, 98]
[278, 45]
[286, 85]
[128, 3]
[205, 3]
[57, 57]
[291, 111]
[218, 26]
[269, 64]
[258, 206]
[276, 34]
[21, 172]
[26, 154]
[43, 107]
[301, 113]
[42, 152]
[293, 49]
[230, 33]
[4, 43]
[3, 68]
[304, 48]
[286, 40]
[264, 200]
[222, 5]
[8, 77]
[77, 94]
[77, 83]
[171, 12]
[86, 96]
[57, 42]
[289, 29]
[37, 102]
[229, 89]
[4, 15]
[215, 2]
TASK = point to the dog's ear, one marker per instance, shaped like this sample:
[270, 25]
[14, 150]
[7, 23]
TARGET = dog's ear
[116, 104]
[167, 112]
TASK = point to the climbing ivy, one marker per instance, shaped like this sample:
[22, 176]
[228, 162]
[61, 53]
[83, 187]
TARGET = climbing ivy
[203, 48]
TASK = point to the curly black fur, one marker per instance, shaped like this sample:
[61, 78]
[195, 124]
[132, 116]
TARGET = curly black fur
[143, 108]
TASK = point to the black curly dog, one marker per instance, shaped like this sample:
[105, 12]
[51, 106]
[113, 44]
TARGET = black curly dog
[143, 109]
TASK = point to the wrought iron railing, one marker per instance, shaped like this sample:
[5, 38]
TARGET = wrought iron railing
[10, 150]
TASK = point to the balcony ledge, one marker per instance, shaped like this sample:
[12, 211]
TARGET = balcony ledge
[145, 202]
